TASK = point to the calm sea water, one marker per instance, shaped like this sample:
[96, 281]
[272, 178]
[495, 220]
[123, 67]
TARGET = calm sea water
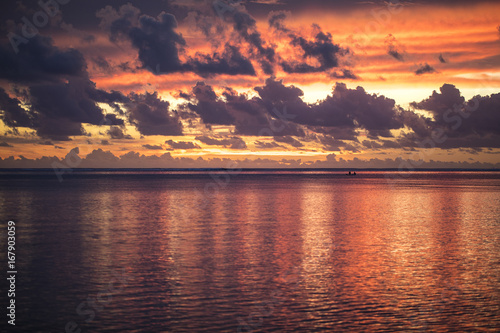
[255, 251]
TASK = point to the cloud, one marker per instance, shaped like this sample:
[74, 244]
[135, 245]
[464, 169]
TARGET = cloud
[250, 116]
[246, 26]
[159, 44]
[344, 74]
[393, 48]
[40, 61]
[289, 140]
[151, 115]
[211, 109]
[105, 159]
[116, 133]
[182, 145]
[461, 123]
[344, 108]
[230, 62]
[231, 142]
[332, 144]
[423, 69]
[440, 102]
[57, 90]
[5, 144]
[153, 147]
[267, 145]
[12, 114]
[155, 39]
[442, 59]
[321, 49]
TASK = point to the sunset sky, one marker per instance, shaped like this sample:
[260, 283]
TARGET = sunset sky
[268, 83]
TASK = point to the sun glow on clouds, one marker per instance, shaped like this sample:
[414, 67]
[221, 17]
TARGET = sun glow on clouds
[352, 78]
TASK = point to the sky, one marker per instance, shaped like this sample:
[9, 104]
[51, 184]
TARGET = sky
[264, 83]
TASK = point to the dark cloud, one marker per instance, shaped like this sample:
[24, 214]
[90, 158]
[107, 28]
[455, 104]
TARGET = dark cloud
[442, 59]
[289, 140]
[105, 143]
[246, 26]
[101, 63]
[423, 69]
[231, 142]
[457, 122]
[159, 44]
[371, 144]
[112, 119]
[276, 19]
[151, 115]
[331, 144]
[153, 147]
[344, 108]
[40, 61]
[182, 145]
[267, 145]
[58, 93]
[155, 39]
[5, 144]
[230, 62]
[12, 114]
[210, 108]
[250, 116]
[393, 48]
[448, 98]
[116, 133]
[321, 49]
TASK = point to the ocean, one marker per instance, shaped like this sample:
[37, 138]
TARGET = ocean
[253, 250]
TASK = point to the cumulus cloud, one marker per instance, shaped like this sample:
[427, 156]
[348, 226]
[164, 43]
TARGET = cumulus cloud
[210, 108]
[58, 91]
[152, 116]
[459, 123]
[344, 108]
[250, 116]
[159, 45]
[105, 159]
